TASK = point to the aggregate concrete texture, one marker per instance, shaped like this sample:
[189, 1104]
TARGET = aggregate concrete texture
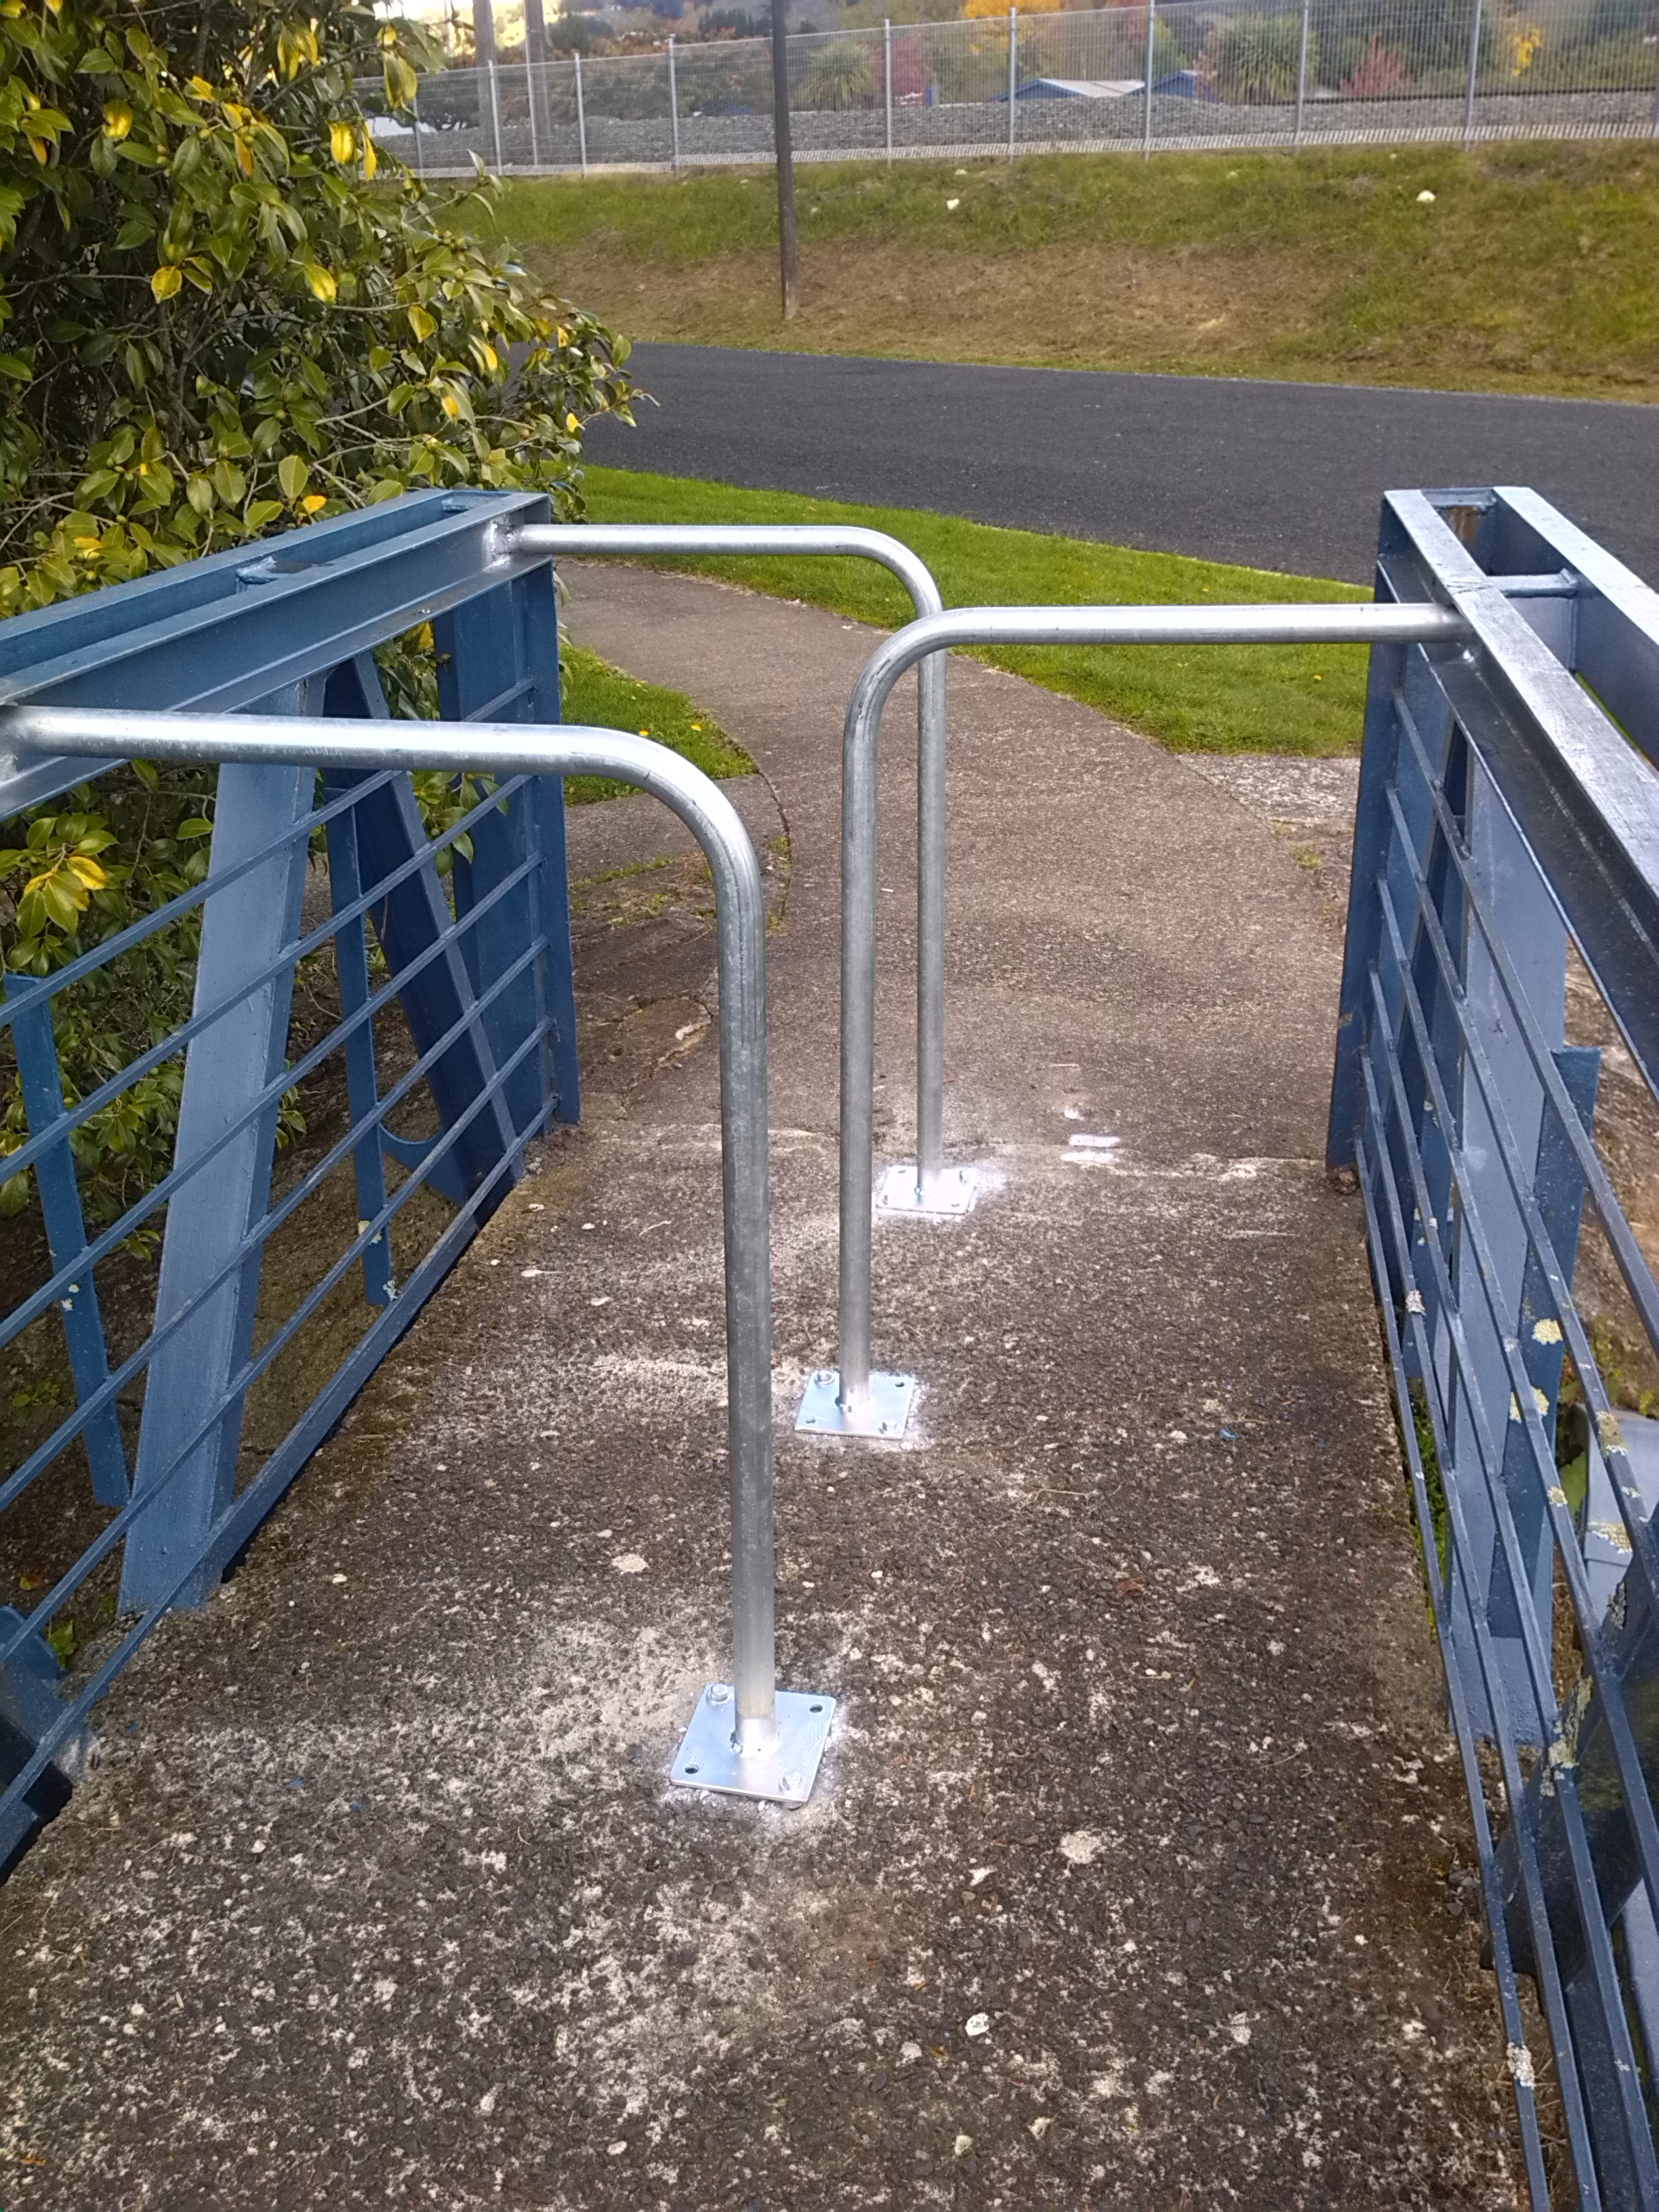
[1139, 1871]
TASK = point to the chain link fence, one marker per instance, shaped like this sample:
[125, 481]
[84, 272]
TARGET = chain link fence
[1193, 74]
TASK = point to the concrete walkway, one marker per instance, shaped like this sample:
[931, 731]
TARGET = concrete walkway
[1138, 1875]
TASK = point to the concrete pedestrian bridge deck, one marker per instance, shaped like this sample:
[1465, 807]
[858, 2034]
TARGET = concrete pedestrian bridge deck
[1139, 1871]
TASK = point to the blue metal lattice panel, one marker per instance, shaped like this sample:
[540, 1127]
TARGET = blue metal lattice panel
[1507, 842]
[456, 967]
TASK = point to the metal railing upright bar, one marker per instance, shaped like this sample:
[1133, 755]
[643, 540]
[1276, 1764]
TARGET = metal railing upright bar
[747, 1739]
[855, 1399]
[933, 1188]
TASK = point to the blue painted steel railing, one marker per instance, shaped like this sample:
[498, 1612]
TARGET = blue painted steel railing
[1503, 931]
[452, 1004]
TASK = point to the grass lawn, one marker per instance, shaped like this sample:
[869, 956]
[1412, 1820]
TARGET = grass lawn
[592, 691]
[1248, 699]
[1531, 271]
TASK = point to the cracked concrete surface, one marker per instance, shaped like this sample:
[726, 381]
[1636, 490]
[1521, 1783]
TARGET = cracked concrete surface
[1136, 1873]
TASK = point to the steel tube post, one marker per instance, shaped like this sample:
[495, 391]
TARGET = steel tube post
[1013, 75]
[590, 538]
[1474, 72]
[515, 748]
[530, 101]
[1301, 71]
[1146, 110]
[673, 107]
[887, 80]
[1306, 624]
[494, 115]
[582, 114]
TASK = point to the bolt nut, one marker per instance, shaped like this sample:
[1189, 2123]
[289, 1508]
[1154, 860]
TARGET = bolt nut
[719, 1694]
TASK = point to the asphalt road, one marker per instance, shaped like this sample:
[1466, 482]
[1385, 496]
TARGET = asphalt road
[1278, 476]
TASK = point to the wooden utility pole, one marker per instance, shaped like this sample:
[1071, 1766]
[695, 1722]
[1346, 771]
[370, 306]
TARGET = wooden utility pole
[788, 244]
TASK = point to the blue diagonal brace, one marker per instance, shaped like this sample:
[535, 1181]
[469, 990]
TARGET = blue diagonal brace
[36, 1047]
[244, 928]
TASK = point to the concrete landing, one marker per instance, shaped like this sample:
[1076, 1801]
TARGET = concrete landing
[1138, 1873]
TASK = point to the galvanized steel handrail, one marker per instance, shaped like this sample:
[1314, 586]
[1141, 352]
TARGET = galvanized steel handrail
[740, 905]
[822, 540]
[1289, 624]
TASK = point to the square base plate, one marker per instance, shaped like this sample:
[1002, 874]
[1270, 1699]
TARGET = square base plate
[950, 1191]
[708, 1757]
[883, 1413]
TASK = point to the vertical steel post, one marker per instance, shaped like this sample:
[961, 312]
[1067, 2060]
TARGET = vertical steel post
[495, 116]
[784, 154]
[582, 114]
[887, 79]
[746, 1738]
[673, 107]
[1013, 75]
[530, 102]
[1474, 71]
[415, 122]
[1147, 129]
[1302, 72]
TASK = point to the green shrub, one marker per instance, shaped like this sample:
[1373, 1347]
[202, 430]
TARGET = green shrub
[223, 310]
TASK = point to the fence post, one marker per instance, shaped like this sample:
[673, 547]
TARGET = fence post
[530, 102]
[1146, 132]
[1474, 67]
[582, 114]
[673, 106]
[415, 119]
[887, 79]
[496, 117]
[1013, 75]
[1301, 73]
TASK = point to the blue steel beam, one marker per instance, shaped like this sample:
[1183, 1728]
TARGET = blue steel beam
[222, 633]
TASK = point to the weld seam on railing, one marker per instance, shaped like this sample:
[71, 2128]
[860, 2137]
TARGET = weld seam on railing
[1586, 1890]
[74, 1117]
[66, 1432]
[135, 932]
[1496, 1903]
[1541, 1457]
[118, 1525]
[1642, 1541]
[1638, 1276]
[228, 1530]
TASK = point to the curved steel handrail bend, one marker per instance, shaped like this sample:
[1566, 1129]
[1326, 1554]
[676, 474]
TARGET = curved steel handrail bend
[513, 748]
[1286, 623]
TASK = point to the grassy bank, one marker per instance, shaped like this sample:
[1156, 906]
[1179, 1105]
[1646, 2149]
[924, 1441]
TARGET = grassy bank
[1266, 699]
[1531, 270]
[592, 690]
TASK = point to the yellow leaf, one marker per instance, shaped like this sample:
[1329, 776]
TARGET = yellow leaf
[321, 281]
[342, 141]
[118, 119]
[39, 148]
[561, 335]
[166, 282]
[452, 406]
[421, 323]
[572, 423]
[371, 159]
[314, 502]
[88, 871]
